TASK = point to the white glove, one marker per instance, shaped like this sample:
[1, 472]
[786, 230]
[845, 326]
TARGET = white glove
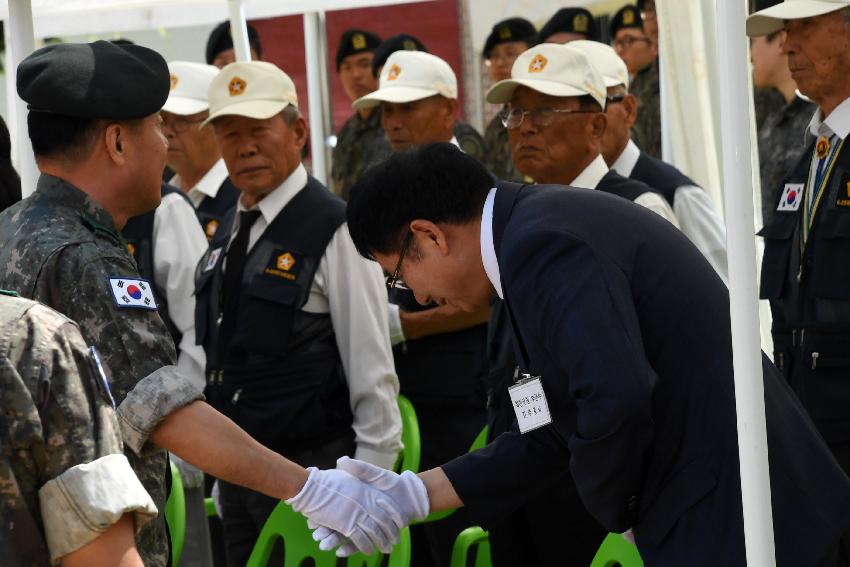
[406, 491]
[363, 515]
[191, 476]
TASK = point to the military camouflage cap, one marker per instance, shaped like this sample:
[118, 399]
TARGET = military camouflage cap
[355, 41]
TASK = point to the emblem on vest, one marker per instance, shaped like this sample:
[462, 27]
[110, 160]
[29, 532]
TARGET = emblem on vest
[212, 259]
[822, 147]
[843, 199]
[131, 248]
[210, 229]
[284, 264]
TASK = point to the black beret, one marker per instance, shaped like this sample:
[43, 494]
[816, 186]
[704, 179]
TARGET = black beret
[570, 20]
[94, 80]
[220, 40]
[389, 46]
[355, 41]
[759, 5]
[512, 29]
[626, 17]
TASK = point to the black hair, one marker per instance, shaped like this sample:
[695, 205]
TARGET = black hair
[57, 135]
[10, 181]
[436, 182]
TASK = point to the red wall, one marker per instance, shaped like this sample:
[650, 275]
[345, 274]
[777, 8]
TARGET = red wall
[435, 23]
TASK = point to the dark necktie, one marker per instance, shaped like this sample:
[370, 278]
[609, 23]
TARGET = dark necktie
[236, 260]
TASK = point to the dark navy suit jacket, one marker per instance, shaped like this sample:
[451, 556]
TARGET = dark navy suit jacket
[629, 327]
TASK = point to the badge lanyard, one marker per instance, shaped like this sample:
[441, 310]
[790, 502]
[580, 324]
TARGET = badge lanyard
[822, 175]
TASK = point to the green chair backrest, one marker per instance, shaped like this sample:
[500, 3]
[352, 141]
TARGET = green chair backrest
[290, 526]
[615, 551]
[408, 460]
[472, 537]
[175, 515]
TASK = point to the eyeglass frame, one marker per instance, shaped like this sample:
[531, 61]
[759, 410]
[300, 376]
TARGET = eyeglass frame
[505, 115]
[631, 41]
[393, 280]
[182, 121]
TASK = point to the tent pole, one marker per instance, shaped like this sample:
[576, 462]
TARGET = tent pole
[313, 53]
[746, 354]
[20, 41]
[239, 30]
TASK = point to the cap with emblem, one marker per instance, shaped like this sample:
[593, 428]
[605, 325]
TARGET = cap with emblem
[612, 68]
[221, 40]
[512, 29]
[552, 69]
[355, 41]
[400, 42]
[190, 83]
[255, 89]
[94, 80]
[772, 18]
[411, 75]
[626, 17]
[569, 20]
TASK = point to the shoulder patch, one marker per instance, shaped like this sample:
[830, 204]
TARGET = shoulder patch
[134, 293]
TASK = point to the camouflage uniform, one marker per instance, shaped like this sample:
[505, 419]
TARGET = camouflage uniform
[470, 141]
[61, 248]
[56, 415]
[498, 152]
[782, 142]
[646, 132]
[359, 145]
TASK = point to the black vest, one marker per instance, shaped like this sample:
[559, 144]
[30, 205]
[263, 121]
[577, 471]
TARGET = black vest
[809, 293]
[624, 187]
[659, 175]
[211, 211]
[275, 369]
[138, 232]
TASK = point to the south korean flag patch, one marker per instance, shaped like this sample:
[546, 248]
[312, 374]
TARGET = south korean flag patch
[792, 196]
[132, 293]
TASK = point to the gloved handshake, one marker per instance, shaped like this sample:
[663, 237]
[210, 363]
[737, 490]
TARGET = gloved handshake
[360, 507]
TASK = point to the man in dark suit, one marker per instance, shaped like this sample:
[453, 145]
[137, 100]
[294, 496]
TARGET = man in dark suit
[631, 336]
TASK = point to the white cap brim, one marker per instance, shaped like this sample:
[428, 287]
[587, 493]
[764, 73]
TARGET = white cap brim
[501, 92]
[185, 106]
[257, 109]
[772, 19]
[397, 95]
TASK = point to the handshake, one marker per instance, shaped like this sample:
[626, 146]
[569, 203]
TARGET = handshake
[360, 507]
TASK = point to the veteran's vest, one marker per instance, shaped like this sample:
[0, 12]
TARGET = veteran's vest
[138, 232]
[659, 175]
[274, 368]
[624, 187]
[211, 211]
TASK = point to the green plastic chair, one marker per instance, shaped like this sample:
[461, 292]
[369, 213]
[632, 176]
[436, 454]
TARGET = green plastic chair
[472, 537]
[175, 515]
[615, 551]
[290, 526]
[408, 459]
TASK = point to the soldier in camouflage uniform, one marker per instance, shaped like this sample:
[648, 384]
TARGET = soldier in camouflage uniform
[57, 416]
[508, 39]
[646, 86]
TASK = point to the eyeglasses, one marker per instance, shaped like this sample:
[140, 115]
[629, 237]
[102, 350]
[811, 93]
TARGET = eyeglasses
[179, 124]
[614, 99]
[540, 117]
[628, 41]
[507, 58]
[394, 281]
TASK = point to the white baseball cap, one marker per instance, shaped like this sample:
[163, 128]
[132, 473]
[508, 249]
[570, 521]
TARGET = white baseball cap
[189, 85]
[255, 89]
[769, 20]
[409, 76]
[552, 69]
[610, 65]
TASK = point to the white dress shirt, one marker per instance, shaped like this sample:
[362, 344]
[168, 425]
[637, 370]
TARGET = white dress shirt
[488, 245]
[208, 185]
[693, 208]
[178, 244]
[353, 291]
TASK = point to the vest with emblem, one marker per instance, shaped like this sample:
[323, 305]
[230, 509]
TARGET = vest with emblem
[138, 232]
[624, 187]
[659, 175]
[276, 369]
[809, 293]
[211, 211]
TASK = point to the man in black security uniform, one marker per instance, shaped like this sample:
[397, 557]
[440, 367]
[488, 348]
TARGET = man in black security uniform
[220, 52]
[805, 272]
[568, 24]
[293, 321]
[627, 340]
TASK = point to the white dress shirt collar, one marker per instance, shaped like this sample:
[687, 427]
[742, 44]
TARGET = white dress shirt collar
[627, 161]
[488, 246]
[838, 122]
[592, 174]
[271, 205]
[455, 142]
[209, 183]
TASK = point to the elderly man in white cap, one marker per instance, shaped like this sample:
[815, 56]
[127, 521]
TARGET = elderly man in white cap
[292, 319]
[439, 350]
[691, 204]
[805, 273]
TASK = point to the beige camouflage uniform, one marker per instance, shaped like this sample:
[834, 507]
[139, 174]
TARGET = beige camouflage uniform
[497, 150]
[61, 248]
[646, 131]
[360, 144]
[63, 479]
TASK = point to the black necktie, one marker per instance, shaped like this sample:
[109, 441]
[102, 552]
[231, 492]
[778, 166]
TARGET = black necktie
[236, 260]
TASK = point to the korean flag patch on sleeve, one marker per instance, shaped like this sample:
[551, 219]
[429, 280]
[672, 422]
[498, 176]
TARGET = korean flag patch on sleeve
[792, 195]
[132, 292]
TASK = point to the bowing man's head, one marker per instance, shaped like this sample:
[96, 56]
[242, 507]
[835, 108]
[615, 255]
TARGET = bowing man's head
[418, 215]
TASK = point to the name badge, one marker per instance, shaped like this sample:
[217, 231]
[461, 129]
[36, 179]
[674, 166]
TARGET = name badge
[530, 405]
[212, 259]
[792, 196]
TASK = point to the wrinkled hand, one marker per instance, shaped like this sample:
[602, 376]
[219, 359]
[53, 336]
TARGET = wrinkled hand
[339, 501]
[406, 494]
